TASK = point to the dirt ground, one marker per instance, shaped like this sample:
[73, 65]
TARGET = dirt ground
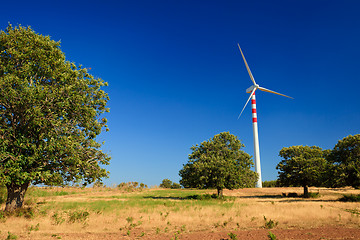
[323, 218]
[329, 233]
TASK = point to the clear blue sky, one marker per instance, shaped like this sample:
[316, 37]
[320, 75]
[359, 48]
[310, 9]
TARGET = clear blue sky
[176, 77]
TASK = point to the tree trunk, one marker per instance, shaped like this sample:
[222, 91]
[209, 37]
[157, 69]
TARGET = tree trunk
[306, 191]
[15, 196]
[220, 193]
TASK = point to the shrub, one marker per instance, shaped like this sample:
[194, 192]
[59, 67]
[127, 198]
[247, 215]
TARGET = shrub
[78, 216]
[270, 224]
[350, 198]
[268, 184]
[175, 186]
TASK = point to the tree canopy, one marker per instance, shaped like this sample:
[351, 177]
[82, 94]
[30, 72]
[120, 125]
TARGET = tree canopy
[346, 159]
[218, 163]
[49, 116]
[302, 166]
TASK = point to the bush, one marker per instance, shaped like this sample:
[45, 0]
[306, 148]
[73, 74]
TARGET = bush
[268, 184]
[78, 216]
[166, 183]
[131, 186]
[270, 224]
[350, 198]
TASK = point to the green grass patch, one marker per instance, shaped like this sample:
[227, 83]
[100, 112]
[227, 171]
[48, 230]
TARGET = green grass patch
[43, 192]
[146, 201]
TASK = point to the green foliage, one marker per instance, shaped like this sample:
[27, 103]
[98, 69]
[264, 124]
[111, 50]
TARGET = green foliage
[350, 198]
[272, 236]
[302, 166]
[58, 218]
[34, 117]
[3, 193]
[11, 236]
[346, 162]
[269, 184]
[78, 216]
[232, 236]
[218, 163]
[34, 228]
[166, 183]
[270, 224]
[131, 186]
[49, 115]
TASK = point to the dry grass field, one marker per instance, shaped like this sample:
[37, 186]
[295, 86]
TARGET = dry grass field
[112, 213]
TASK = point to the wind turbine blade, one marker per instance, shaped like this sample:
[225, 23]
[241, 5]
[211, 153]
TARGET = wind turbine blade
[247, 66]
[252, 92]
[270, 91]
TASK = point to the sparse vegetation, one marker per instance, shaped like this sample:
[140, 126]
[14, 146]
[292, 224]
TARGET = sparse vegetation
[350, 198]
[175, 211]
[270, 224]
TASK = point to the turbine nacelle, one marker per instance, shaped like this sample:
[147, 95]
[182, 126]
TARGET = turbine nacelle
[250, 89]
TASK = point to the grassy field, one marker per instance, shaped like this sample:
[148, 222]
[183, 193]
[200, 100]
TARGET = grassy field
[57, 213]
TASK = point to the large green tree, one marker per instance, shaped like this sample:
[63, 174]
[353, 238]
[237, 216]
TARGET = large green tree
[346, 162]
[218, 163]
[302, 166]
[49, 116]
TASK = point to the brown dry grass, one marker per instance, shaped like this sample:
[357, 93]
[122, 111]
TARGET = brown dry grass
[173, 215]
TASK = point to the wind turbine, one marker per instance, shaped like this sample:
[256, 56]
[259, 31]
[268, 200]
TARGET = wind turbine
[252, 90]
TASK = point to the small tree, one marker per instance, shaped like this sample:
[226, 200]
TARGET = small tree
[218, 163]
[346, 159]
[166, 183]
[49, 116]
[302, 166]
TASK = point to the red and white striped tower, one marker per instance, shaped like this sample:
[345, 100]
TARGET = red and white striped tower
[256, 141]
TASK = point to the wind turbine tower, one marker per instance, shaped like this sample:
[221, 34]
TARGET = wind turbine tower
[252, 90]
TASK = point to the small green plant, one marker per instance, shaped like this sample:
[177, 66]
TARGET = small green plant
[57, 218]
[128, 232]
[175, 236]
[272, 236]
[270, 224]
[11, 236]
[157, 230]
[142, 234]
[183, 228]
[78, 216]
[129, 219]
[34, 228]
[232, 236]
[2, 216]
